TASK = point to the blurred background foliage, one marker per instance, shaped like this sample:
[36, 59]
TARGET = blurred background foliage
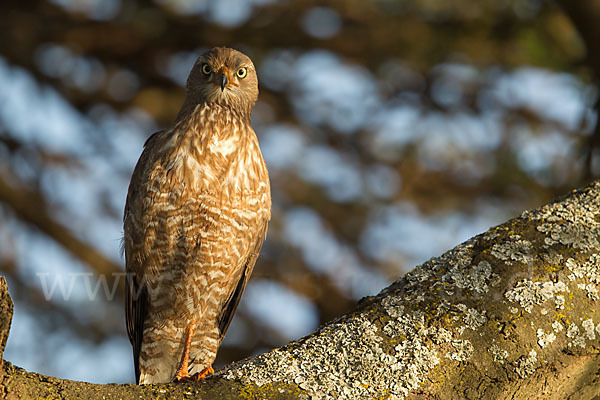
[393, 130]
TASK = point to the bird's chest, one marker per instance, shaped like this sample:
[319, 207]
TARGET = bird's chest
[222, 173]
[205, 222]
[210, 195]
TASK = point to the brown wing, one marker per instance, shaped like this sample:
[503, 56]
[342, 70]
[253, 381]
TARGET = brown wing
[233, 300]
[136, 308]
[136, 297]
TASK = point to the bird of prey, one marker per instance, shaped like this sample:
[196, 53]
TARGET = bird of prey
[195, 219]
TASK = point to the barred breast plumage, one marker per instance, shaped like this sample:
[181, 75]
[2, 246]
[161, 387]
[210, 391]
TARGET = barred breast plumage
[195, 219]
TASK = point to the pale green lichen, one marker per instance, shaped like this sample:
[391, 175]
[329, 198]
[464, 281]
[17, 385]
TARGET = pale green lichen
[526, 366]
[458, 273]
[471, 277]
[474, 319]
[571, 222]
[580, 338]
[589, 270]
[578, 341]
[373, 356]
[442, 336]
[557, 326]
[590, 289]
[544, 339]
[529, 293]
[514, 249]
[552, 257]
[393, 307]
[588, 328]
[573, 333]
[559, 302]
[498, 354]
[571, 235]
[463, 350]
[351, 351]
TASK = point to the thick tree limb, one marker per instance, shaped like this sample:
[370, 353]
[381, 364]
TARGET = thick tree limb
[511, 313]
[6, 311]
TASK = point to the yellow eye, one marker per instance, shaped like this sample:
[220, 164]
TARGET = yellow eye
[206, 69]
[242, 72]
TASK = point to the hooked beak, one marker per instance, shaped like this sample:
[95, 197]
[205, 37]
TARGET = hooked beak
[223, 81]
[225, 78]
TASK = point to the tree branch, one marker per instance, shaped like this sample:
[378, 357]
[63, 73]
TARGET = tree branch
[510, 313]
[31, 207]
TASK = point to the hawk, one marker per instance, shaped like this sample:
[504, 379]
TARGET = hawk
[195, 218]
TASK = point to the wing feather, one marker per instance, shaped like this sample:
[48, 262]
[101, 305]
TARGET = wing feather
[136, 296]
[226, 314]
[136, 303]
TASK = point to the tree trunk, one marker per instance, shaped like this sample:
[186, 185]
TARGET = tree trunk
[509, 314]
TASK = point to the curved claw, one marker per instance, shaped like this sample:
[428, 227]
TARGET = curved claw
[196, 377]
[205, 372]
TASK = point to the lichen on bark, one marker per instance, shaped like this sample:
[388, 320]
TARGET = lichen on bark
[483, 315]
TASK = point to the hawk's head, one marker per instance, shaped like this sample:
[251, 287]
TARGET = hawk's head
[224, 76]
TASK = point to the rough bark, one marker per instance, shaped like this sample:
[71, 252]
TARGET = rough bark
[509, 314]
[6, 312]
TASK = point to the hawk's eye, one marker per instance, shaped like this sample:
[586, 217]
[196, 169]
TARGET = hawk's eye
[242, 72]
[206, 69]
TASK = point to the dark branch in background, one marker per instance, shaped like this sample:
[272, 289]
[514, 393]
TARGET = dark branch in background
[585, 15]
[31, 207]
[138, 47]
[81, 319]
[319, 288]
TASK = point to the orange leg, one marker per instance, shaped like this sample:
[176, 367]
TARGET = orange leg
[182, 372]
